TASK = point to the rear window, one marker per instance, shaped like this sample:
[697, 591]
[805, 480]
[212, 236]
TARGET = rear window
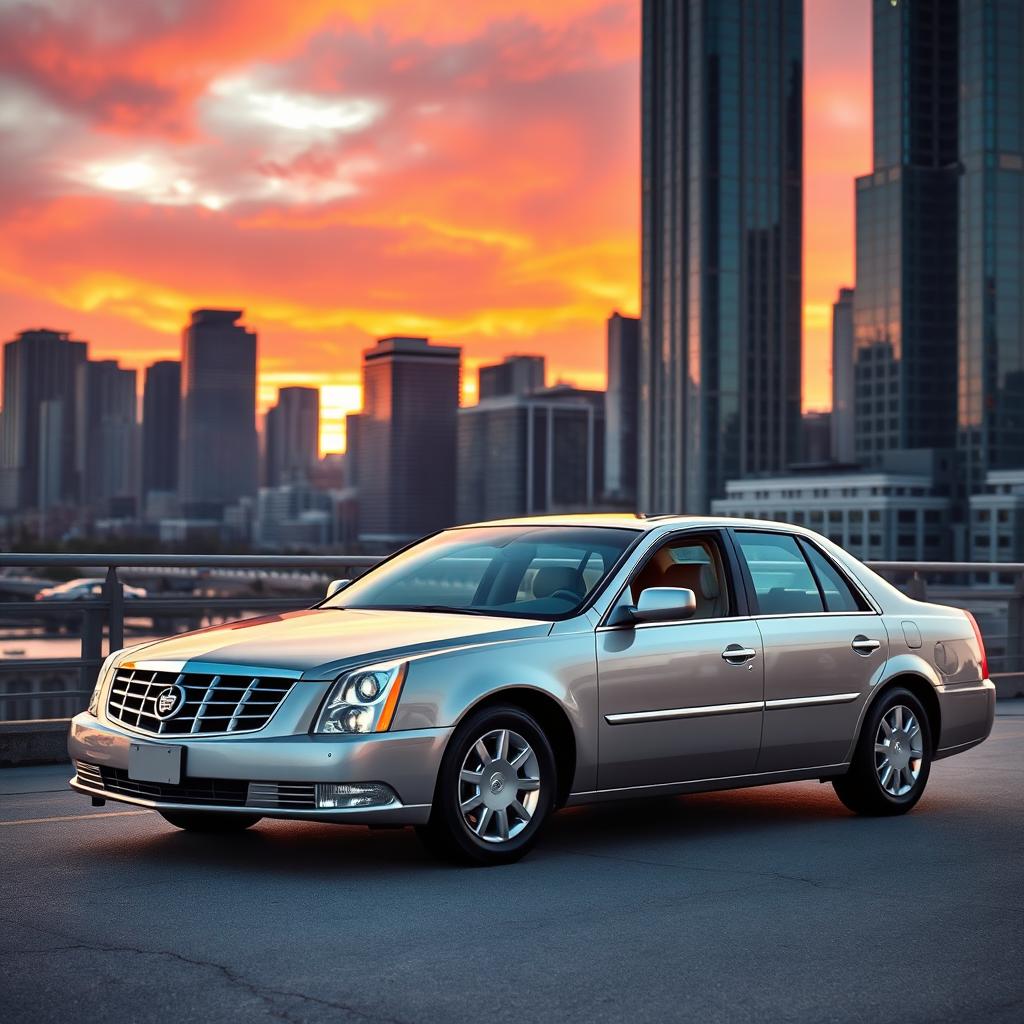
[783, 580]
[839, 595]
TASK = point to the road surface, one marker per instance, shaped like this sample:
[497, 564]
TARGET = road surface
[760, 905]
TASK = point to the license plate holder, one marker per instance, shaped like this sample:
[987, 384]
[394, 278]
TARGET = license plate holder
[154, 762]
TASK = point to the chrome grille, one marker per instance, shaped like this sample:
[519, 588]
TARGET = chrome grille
[212, 704]
[216, 792]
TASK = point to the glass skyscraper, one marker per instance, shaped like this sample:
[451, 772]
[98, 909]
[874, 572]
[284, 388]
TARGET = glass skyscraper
[219, 452]
[938, 311]
[720, 360]
[990, 326]
[905, 299]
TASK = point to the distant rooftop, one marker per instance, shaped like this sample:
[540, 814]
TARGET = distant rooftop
[216, 316]
[398, 345]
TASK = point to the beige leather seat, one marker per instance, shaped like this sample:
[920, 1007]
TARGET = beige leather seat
[701, 578]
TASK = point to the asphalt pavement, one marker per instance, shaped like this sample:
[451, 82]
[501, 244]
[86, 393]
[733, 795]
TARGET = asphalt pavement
[770, 904]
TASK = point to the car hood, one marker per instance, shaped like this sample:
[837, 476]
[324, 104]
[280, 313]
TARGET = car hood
[320, 642]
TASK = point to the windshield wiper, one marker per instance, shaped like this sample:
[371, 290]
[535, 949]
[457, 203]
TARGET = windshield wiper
[442, 608]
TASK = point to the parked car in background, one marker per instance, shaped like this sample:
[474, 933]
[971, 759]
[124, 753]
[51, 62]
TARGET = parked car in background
[84, 590]
[488, 675]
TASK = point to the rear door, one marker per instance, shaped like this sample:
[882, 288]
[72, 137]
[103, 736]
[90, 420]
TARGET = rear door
[824, 648]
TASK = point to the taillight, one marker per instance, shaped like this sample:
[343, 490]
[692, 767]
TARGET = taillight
[981, 643]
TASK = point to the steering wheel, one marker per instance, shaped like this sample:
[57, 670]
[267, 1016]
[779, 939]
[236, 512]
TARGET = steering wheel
[566, 595]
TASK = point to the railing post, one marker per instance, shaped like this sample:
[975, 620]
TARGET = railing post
[916, 587]
[92, 645]
[1015, 628]
[114, 594]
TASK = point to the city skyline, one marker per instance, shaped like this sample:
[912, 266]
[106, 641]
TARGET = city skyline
[536, 266]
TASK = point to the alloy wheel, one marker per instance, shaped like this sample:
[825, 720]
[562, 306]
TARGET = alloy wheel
[899, 751]
[499, 786]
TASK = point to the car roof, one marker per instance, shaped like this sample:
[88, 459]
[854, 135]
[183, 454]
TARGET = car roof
[636, 521]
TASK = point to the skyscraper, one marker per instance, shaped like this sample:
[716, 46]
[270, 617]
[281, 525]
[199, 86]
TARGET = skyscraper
[842, 377]
[37, 430]
[292, 437]
[620, 446]
[514, 375]
[161, 428]
[219, 450]
[991, 234]
[407, 439]
[905, 305]
[531, 454]
[720, 361]
[107, 437]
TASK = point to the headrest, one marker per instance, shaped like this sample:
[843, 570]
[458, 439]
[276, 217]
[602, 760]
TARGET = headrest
[696, 576]
[553, 578]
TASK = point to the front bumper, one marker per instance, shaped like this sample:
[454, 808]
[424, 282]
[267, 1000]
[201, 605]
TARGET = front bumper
[241, 770]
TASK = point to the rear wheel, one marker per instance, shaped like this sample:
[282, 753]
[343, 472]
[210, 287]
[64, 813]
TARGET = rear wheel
[494, 790]
[209, 821]
[892, 760]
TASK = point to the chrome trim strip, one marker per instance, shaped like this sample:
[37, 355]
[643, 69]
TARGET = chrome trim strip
[800, 702]
[734, 618]
[627, 717]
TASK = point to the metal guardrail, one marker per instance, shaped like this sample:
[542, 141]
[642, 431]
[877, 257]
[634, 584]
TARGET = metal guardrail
[103, 618]
[971, 584]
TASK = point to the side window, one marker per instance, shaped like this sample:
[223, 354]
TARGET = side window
[691, 562]
[839, 595]
[782, 578]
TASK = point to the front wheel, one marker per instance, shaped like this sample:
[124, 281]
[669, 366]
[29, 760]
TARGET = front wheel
[209, 821]
[892, 760]
[494, 790]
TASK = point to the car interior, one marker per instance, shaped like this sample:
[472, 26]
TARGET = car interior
[694, 563]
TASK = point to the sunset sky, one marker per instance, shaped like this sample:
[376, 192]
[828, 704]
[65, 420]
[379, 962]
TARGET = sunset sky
[467, 170]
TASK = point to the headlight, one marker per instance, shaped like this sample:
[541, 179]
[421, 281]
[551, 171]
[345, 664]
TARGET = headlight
[363, 700]
[101, 678]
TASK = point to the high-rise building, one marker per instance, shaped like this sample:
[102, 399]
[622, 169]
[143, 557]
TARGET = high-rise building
[161, 428]
[107, 437]
[353, 422]
[991, 234]
[722, 154]
[514, 375]
[407, 439]
[905, 305]
[292, 437]
[842, 377]
[531, 454]
[219, 448]
[620, 444]
[37, 429]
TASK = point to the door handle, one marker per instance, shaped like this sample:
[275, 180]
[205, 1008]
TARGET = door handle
[865, 645]
[736, 655]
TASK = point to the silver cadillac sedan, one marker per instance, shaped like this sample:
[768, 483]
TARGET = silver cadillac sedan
[482, 678]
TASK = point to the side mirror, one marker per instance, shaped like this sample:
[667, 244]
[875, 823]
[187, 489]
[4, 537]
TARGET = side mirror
[665, 604]
[335, 585]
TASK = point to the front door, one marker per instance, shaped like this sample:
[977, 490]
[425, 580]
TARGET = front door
[681, 701]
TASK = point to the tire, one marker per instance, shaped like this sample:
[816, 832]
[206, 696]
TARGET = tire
[872, 786]
[513, 797]
[209, 821]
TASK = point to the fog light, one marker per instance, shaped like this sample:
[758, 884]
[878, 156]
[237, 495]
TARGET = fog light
[339, 795]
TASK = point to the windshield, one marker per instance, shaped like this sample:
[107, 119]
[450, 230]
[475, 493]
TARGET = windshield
[534, 572]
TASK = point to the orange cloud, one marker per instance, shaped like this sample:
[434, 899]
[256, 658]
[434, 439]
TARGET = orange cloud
[343, 170]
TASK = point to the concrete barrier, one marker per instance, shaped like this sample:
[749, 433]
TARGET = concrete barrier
[42, 741]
